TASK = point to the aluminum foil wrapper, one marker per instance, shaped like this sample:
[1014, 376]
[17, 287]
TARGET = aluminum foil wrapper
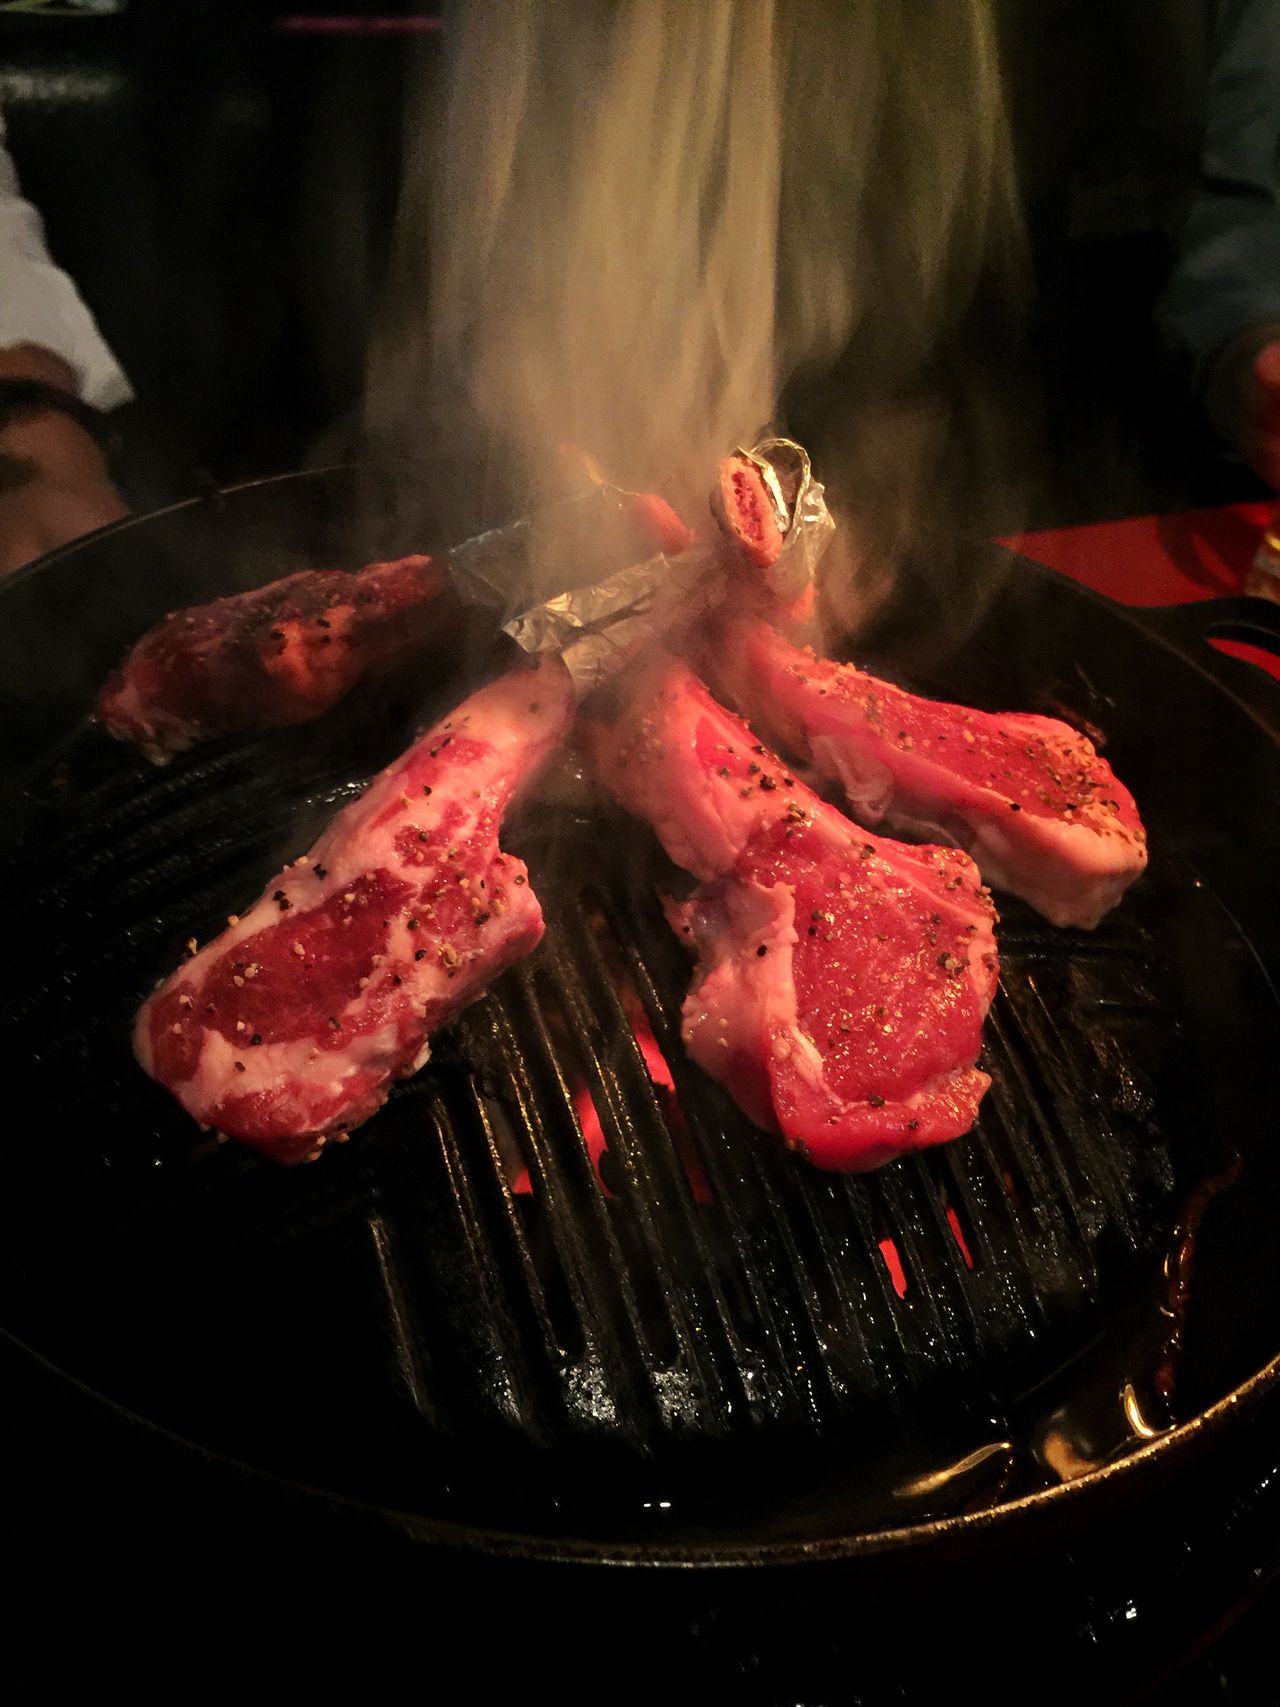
[801, 507]
[596, 629]
[514, 567]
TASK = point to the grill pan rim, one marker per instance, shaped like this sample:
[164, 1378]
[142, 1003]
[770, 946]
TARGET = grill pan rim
[443, 1534]
[1185, 631]
[1176, 630]
[202, 501]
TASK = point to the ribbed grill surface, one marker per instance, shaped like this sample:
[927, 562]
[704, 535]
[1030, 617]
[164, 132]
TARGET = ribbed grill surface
[455, 1311]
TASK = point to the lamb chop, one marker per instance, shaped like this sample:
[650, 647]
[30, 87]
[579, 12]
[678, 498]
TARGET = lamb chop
[286, 652]
[1032, 800]
[842, 980]
[290, 1026]
[278, 655]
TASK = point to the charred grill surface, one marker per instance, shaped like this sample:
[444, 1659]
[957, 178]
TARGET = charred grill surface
[456, 1313]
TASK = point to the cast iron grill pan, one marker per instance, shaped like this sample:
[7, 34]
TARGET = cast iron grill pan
[456, 1315]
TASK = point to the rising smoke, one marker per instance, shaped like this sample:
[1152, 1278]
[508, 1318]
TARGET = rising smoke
[633, 224]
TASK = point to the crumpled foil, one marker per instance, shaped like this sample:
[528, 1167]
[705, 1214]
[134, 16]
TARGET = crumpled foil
[596, 629]
[514, 567]
[788, 474]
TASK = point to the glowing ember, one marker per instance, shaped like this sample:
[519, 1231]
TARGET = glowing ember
[893, 1262]
[957, 1233]
[665, 1089]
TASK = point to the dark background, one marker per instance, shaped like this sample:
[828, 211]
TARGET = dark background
[220, 182]
[221, 188]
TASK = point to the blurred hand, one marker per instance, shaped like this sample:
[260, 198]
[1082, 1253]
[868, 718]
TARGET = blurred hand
[54, 486]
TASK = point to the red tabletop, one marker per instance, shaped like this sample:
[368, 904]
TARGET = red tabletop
[1160, 560]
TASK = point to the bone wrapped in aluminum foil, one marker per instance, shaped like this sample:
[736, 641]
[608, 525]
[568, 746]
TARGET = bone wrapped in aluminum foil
[596, 629]
[800, 505]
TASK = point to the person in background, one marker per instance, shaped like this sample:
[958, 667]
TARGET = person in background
[1221, 308]
[58, 379]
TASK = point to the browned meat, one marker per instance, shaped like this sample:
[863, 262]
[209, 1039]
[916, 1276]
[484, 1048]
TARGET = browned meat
[286, 652]
[260, 660]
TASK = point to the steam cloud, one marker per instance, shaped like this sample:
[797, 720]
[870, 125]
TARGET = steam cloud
[630, 223]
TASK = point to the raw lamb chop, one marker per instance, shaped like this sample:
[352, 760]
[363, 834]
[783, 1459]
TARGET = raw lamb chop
[1033, 802]
[842, 980]
[263, 659]
[290, 1026]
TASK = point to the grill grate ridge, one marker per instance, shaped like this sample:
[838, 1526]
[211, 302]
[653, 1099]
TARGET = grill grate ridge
[644, 1317]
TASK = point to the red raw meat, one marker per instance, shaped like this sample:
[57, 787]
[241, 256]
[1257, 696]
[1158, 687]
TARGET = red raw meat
[1034, 803]
[746, 511]
[290, 1026]
[277, 655]
[842, 980]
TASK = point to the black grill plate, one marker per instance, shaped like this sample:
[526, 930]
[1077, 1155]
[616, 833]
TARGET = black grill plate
[454, 1313]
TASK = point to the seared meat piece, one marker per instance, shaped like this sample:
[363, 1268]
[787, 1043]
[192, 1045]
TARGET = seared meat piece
[291, 1025]
[286, 652]
[259, 660]
[1034, 803]
[842, 980]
